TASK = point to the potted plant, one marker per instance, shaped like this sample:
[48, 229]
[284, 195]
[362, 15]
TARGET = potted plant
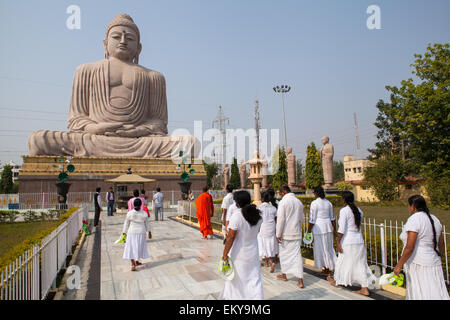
[185, 186]
[62, 187]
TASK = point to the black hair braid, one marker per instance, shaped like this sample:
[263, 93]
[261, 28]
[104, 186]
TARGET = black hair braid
[349, 199]
[421, 205]
[356, 214]
[251, 214]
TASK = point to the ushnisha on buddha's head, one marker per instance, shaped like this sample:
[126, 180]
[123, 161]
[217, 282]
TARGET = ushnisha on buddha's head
[122, 40]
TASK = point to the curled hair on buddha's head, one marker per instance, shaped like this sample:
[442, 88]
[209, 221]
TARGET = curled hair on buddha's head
[123, 19]
[249, 211]
[421, 206]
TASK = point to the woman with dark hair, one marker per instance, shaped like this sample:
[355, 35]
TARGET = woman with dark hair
[136, 226]
[267, 240]
[423, 248]
[242, 247]
[322, 223]
[351, 264]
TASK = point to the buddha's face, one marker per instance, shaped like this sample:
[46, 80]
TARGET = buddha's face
[325, 140]
[122, 43]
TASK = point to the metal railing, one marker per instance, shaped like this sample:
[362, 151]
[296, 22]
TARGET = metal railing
[382, 240]
[34, 273]
[49, 200]
[383, 244]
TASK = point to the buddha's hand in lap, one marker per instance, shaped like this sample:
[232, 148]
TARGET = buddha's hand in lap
[130, 131]
[102, 127]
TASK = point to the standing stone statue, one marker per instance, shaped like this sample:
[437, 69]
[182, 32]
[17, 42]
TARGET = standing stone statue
[326, 154]
[243, 173]
[118, 108]
[226, 175]
[290, 160]
[264, 172]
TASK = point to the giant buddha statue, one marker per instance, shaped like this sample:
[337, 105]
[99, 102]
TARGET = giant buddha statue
[118, 108]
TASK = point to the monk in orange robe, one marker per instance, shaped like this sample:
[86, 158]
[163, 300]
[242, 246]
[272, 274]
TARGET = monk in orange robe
[205, 210]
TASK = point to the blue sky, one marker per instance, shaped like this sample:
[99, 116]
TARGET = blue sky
[222, 53]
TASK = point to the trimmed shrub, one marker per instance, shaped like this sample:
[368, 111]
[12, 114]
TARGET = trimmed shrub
[36, 239]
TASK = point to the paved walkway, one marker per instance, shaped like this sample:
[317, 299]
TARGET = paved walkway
[183, 266]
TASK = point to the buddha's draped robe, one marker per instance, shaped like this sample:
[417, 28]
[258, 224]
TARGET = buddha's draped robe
[90, 104]
[205, 209]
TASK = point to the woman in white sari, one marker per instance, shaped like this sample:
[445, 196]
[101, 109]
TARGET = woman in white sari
[351, 265]
[267, 239]
[422, 253]
[241, 247]
[135, 227]
[322, 223]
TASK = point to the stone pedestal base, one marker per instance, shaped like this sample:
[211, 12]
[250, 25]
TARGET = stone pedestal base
[38, 174]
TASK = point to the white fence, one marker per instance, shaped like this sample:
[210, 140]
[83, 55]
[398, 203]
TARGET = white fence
[382, 240]
[49, 200]
[33, 274]
[383, 244]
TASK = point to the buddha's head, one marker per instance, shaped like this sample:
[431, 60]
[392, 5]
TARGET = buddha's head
[122, 39]
[325, 140]
[289, 150]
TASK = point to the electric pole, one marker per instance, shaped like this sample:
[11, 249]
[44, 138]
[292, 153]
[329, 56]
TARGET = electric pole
[220, 124]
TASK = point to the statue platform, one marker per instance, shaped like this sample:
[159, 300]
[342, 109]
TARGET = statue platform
[39, 175]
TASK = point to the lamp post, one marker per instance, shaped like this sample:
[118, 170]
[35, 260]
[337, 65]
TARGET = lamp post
[283, 89]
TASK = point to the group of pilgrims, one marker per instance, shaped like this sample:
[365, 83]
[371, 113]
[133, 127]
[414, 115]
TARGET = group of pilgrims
[263, 235]
[260, 236]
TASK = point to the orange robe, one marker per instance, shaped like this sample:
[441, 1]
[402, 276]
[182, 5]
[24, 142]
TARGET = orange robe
[205, 210]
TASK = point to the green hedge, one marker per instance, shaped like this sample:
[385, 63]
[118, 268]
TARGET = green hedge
[336, 201]
[27, 244]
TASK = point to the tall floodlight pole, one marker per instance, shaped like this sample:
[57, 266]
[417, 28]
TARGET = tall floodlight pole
[283, 89]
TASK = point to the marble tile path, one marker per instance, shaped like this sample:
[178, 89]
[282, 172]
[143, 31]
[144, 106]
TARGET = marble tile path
[183, 266]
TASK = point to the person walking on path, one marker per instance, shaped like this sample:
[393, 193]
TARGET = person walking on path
[110, 199]
[205, 210]
[267, 240]
[97, 205]
[351, 264]
[422, 253]
[136, 195]
[322, 223]
[289, 235]
[241, 247]
[158, 199]
[143, 197]
[226, 203]
[136, 227]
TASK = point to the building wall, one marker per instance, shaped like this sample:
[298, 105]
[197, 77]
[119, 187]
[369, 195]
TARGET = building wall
[354, 169]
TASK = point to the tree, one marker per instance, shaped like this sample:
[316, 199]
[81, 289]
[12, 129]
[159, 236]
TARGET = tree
[279, 166]
[299, 171]
[235, 179]
[338, 171]
[385, 177]
[313, 168]
[211, 171]
[416, 122]
[6, 183]
[343, 186]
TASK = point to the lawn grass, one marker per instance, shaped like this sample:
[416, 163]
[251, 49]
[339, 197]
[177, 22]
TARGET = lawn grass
[12, 234]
